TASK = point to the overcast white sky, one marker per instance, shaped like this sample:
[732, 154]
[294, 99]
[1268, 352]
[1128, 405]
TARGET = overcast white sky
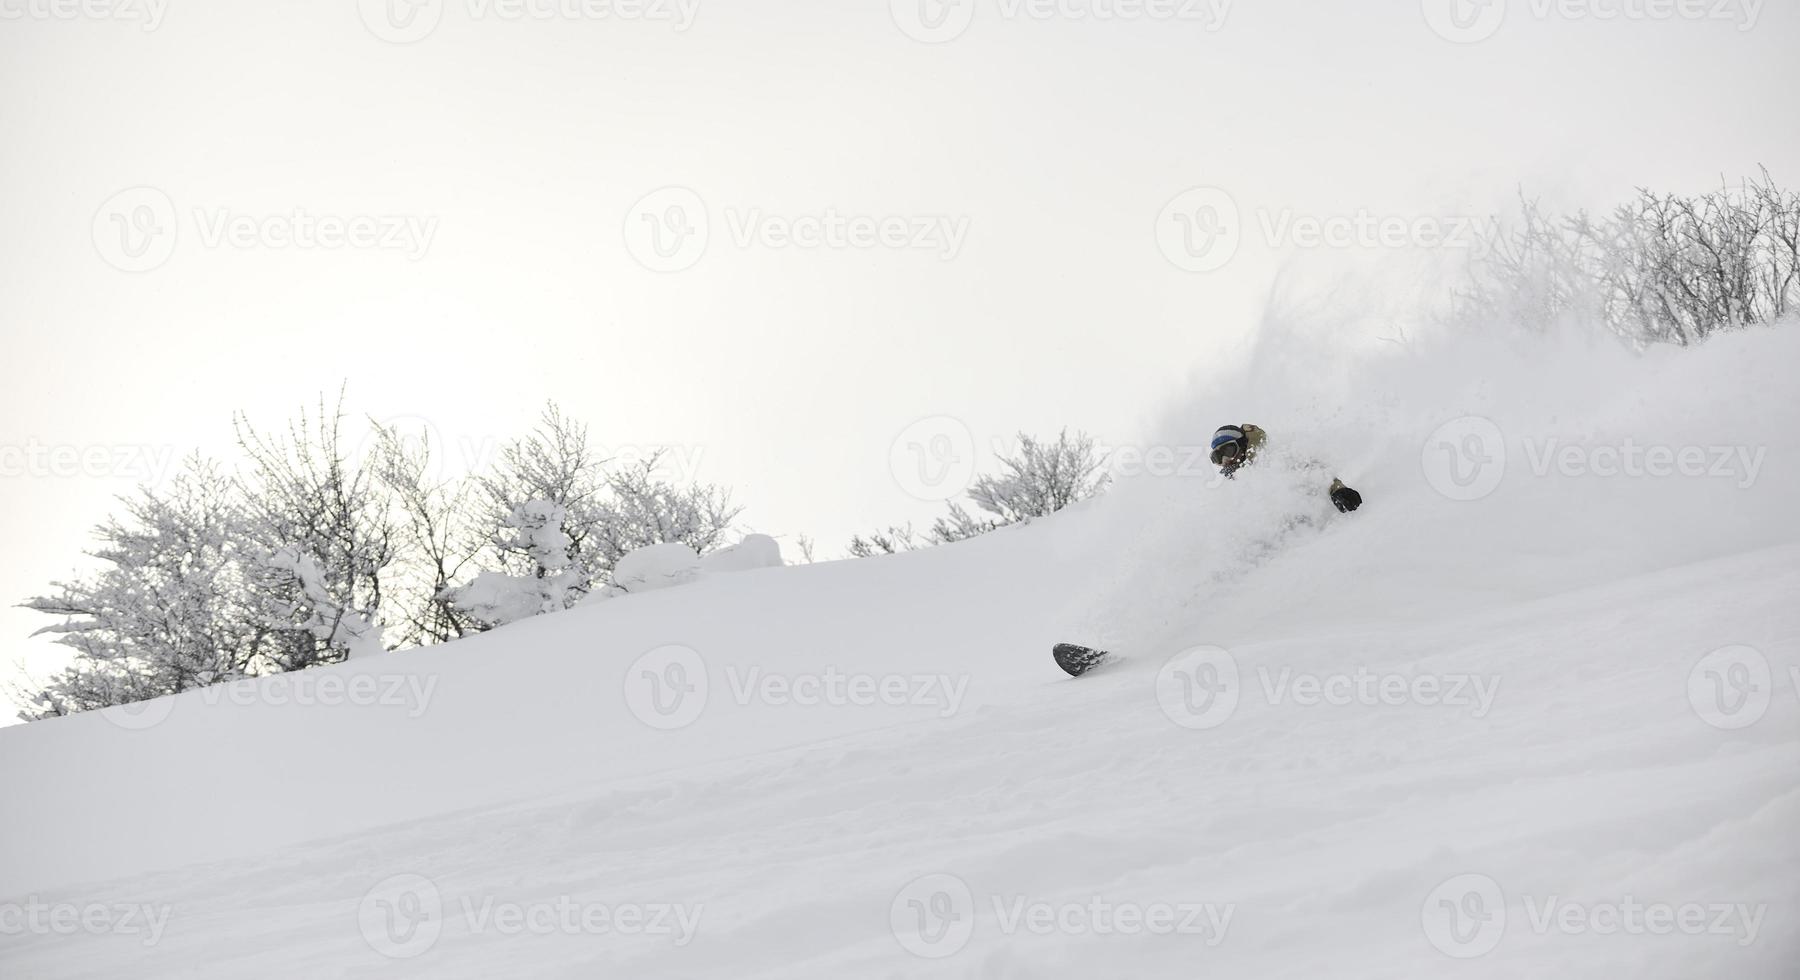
[509, 152]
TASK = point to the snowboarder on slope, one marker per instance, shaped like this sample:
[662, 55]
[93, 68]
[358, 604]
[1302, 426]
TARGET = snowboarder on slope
[1235, 445]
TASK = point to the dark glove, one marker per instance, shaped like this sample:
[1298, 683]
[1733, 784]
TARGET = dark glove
[1344, 498]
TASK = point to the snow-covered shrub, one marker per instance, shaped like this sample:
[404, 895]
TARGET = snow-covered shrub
[313, 553]
[440, 535]
[321, 523]
[602, 516]
[171, 609]
[533, 529]
[639, 508]
[1038, 479]
[1663, 268]
[314, 610]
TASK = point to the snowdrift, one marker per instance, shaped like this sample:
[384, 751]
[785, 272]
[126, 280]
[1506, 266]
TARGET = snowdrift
[872, 768]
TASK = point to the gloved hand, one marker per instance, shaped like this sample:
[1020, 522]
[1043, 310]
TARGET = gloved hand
[1344, 498]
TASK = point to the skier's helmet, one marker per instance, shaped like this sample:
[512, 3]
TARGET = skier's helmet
[1228, 445]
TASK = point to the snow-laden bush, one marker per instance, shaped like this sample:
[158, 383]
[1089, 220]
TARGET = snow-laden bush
[1040, 478]
[604, 514]
[311, 553]
[1663, 268]
[171, 608]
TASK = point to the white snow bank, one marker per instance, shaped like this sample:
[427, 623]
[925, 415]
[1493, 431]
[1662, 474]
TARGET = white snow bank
[755, 551]
[656, 566]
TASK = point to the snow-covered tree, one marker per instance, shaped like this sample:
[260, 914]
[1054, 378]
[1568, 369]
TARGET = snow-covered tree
[321, 524]
[439, 537]
[534, 529]
[171, 609]
[598, 516]
[639, 509]
[309, 556]
[552, 472]
[1662, 268]
[316, 610]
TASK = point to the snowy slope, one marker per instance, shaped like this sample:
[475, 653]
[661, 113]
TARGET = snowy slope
[1565, 762]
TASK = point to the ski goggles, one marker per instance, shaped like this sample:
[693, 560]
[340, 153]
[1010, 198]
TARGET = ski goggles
[1227, 444]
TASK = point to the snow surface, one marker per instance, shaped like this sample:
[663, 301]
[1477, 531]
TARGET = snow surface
[872, 768]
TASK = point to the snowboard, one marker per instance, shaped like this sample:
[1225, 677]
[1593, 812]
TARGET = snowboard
[1077, 659]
